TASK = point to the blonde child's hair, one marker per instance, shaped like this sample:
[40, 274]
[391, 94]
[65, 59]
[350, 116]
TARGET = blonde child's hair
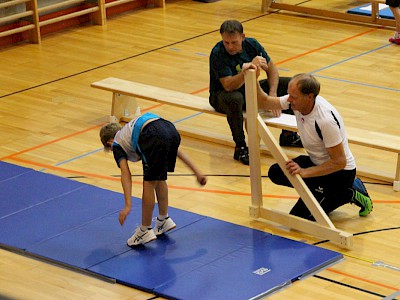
[108, 132]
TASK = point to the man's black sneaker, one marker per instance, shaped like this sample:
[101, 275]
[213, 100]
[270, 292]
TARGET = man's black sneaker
[290, 139]
[242, 154]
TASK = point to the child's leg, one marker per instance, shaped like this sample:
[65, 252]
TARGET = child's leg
[162, 197]
[396, 14]
[148, 202]
[145, 233]
[164, 223]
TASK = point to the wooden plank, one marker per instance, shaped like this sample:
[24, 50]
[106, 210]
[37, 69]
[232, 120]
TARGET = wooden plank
[335, 236]
[15, 17]
[12, 3]
[157, 94]
[69, 16]
[372, 139]
[17, 30]
[159, 3]
[175, 98]
[253, 139]
[117, 2]
[265, 5]
[396, 183]
[100, 17]
[34, 34]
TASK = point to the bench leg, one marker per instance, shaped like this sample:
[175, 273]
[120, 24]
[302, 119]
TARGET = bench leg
[122, 106]
[265, 5]
[396, 182]
[159, 3]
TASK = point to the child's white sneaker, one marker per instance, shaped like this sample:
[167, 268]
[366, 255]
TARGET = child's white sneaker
[163, 226]
[141, 237]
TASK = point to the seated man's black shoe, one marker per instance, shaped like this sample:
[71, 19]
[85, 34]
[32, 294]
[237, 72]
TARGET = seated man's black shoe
[290, 139]
[242, 154]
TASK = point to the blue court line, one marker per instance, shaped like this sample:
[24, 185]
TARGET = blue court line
[353, 82]
[74, 158]
[189, 117]
[79, 156]
[358, 83]
[353, 57]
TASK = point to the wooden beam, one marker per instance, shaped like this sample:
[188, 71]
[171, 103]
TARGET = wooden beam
[34, 33]
[15, 17]
[58, 5]
[69, 16]
[265, 5]
[338, 237]
[12, 3]
[100, 17]
[253, 139]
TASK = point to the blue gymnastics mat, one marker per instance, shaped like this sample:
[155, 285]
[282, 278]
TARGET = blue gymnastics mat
[75, 225]
[366, 9]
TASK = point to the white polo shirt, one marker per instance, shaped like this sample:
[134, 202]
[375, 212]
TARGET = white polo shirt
[325, 117]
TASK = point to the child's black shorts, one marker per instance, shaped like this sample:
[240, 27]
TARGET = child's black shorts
[159, 142]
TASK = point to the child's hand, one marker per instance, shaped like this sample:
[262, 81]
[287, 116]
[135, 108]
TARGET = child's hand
[202, 179]
[122, 215]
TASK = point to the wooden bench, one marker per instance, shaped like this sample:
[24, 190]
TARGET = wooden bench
[271, 5]
[123, 107]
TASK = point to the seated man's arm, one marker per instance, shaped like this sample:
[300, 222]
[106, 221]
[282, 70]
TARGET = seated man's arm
[232, 83]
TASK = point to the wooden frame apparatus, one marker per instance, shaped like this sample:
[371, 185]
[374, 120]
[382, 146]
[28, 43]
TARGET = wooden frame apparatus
[375, 19]
[323, 227]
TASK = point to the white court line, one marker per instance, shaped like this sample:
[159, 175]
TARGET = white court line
[392, 296]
